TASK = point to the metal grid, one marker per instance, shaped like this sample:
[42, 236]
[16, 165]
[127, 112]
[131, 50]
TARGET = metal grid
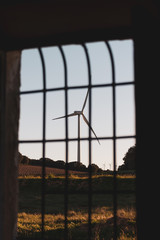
[114, 137]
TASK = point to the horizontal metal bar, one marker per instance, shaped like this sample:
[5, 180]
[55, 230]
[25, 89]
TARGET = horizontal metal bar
[76, 87]
[94, 192]
[75, 139]
[111, 84]
[31, 238]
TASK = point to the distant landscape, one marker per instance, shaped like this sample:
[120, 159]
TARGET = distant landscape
[30, 200]
[29, 166]
[26, 164]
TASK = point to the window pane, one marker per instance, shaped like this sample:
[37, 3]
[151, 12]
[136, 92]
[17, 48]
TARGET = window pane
[31, 117]
[125, 110]
[31, 70]
[123, 60]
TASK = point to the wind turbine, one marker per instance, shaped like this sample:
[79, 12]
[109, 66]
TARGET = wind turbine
[80, 113]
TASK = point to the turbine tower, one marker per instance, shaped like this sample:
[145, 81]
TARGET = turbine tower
[80, 113]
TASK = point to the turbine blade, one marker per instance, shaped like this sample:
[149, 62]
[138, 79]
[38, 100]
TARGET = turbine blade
[69, 115]
[84, 104]
[85, 119]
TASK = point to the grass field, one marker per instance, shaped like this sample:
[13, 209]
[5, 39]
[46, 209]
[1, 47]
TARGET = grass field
[29, 217]
[29, 170]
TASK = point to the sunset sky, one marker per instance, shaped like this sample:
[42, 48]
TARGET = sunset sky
[31, 105]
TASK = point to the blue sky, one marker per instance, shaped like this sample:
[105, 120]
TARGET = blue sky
[31, 105]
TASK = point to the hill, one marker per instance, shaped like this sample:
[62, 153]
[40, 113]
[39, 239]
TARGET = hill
[29, 170]
[59, 164]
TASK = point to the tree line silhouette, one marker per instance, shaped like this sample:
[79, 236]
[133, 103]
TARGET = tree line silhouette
[60, 164]
[129, 160]
[128, 165]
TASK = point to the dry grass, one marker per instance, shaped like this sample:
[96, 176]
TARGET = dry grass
[29, 217]
[102, 219]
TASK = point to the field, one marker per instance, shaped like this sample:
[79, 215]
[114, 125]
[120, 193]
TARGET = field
[29, 217]
[29, 170]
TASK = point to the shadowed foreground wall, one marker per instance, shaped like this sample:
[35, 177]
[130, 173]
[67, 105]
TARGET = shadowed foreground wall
[9, 119]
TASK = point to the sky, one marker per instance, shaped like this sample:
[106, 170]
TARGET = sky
[31, 105]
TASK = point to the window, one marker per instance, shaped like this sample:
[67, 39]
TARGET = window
[92, 199]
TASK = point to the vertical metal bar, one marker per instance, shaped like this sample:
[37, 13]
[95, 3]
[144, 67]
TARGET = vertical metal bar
[79, 145]
[114, 141]
[90, 146]
[66, 137]
[2, 137]
[44, 140]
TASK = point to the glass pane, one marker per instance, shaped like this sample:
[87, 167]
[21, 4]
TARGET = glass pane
[73, 151]
[55, 151]
[76, 100]
[31, 70]
[123, 60]
[32, 151]
[100, 63]
[102, 155]
[125, 107]
[55, 129]
[122, 147]
[31, 117]
[102, 112]
[126, 215]
[76, 65]
[54, 67]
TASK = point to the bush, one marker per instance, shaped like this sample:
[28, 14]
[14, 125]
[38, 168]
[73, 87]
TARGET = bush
[60, 164]
[76, 166]
[20, 158]
[23, 159]
[95, 169]
[129, 160]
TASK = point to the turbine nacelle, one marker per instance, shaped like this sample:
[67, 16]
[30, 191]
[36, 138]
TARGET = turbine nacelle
[78, 112]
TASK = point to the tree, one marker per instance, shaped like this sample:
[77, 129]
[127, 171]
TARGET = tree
[60, 164]
[23, 159]
[95, 169]
[129, 160]
[76, 166]
[20, 157]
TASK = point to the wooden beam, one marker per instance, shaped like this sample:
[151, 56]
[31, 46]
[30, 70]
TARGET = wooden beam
[9, 119]
[31, 24]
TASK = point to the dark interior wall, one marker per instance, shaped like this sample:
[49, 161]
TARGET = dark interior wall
[29, 24]
[9, 119]
[147, 76]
